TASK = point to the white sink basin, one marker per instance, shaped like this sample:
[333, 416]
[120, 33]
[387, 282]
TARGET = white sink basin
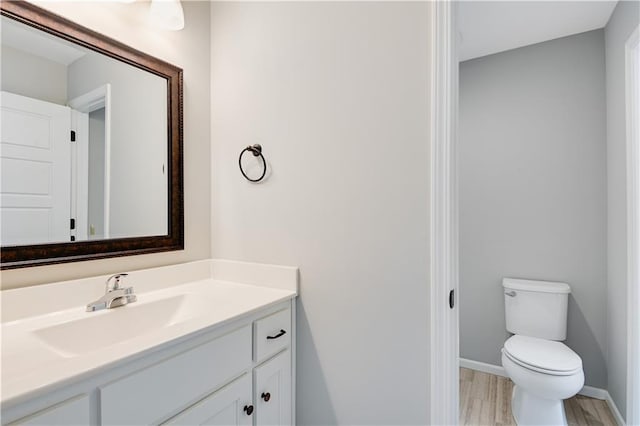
[97, 330]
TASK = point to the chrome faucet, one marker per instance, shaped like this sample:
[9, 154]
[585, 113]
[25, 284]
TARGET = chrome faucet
[114, 296]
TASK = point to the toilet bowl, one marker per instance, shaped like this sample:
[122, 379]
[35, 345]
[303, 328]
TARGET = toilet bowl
[544, 370]
[544, 373]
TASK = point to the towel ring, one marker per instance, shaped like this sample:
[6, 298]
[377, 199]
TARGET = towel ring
[256, 150]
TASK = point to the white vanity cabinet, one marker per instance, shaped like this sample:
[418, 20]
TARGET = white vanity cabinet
[239, 373]
[272, 376]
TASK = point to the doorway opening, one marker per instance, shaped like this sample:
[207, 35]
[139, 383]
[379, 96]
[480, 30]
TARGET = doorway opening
[444, 339]
[92, 165]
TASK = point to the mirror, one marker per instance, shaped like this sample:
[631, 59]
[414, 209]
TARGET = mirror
[91, 144]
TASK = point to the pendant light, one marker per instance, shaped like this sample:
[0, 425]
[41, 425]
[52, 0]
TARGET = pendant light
[167, 14]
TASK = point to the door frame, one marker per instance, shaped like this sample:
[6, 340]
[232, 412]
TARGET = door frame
[80, 174]
[632, 84]
[444, 329]
[444, 326]
[87, 103]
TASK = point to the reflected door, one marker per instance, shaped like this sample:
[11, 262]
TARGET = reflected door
[35, 171]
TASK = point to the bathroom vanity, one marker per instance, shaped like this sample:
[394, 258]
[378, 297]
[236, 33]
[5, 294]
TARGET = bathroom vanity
[208, 342]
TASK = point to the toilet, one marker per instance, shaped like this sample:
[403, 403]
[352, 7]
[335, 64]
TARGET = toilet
[544, 370]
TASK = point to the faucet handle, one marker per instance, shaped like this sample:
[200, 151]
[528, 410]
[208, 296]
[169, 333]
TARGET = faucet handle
[116, 285]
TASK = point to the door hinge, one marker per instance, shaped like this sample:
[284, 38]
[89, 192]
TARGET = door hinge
[73, 238]
[72, 223]
[452, 299]
[73, 136]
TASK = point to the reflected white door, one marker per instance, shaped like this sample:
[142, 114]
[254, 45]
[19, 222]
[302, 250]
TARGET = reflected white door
[35, 171]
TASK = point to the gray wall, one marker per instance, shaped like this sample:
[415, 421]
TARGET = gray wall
[337, 94]
[533, 190]
[621, 24]
[30, 75]
[188, 49]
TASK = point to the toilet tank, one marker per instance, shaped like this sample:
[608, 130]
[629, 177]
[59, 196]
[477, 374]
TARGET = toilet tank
[536, 308]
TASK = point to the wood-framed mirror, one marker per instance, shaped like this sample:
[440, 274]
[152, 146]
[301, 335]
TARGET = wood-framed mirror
[91, 149]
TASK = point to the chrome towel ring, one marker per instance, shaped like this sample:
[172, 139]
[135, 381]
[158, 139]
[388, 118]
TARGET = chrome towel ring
[256, 150]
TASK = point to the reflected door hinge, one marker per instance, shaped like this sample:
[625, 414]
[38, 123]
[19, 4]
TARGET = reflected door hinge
[72, 226]
[73, 136]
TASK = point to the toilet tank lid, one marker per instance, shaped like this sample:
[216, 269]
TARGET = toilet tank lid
[532, 285]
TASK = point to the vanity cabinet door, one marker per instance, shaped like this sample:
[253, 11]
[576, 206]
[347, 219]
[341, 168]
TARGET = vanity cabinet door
[273, 391]
[229, 406]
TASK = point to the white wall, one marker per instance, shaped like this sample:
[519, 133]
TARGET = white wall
[188, 49]
[30, 75]
[138, 173]
[337, 94]
[621, 24]
[533, 190]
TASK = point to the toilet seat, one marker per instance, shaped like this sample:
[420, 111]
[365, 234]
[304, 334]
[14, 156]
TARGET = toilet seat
[544, 356]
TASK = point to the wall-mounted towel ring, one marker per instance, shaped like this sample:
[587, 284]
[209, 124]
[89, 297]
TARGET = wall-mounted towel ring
[256, 150]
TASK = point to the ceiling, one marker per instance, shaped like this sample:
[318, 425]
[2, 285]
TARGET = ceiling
[38, 43]
[488, 27]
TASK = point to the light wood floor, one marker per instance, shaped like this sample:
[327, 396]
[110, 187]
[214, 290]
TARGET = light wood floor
[485, 399]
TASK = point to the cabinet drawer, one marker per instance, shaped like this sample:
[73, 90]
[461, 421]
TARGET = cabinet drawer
[157, 392]
[271, 334]
[224, 407]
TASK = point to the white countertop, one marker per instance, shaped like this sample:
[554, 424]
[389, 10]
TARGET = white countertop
[31, 365]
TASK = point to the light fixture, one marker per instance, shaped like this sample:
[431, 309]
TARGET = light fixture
[167, 14]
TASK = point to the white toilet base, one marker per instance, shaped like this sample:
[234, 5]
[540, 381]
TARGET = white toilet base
[529, 409]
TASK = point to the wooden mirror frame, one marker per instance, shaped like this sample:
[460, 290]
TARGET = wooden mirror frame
[46, 254]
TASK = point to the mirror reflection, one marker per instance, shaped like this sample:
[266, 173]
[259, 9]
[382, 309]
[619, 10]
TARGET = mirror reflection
[84, 143]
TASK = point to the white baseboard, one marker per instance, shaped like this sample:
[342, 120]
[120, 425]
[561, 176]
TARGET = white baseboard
[589, 391]
[498, 370]
[596, 393]
[614, 410]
